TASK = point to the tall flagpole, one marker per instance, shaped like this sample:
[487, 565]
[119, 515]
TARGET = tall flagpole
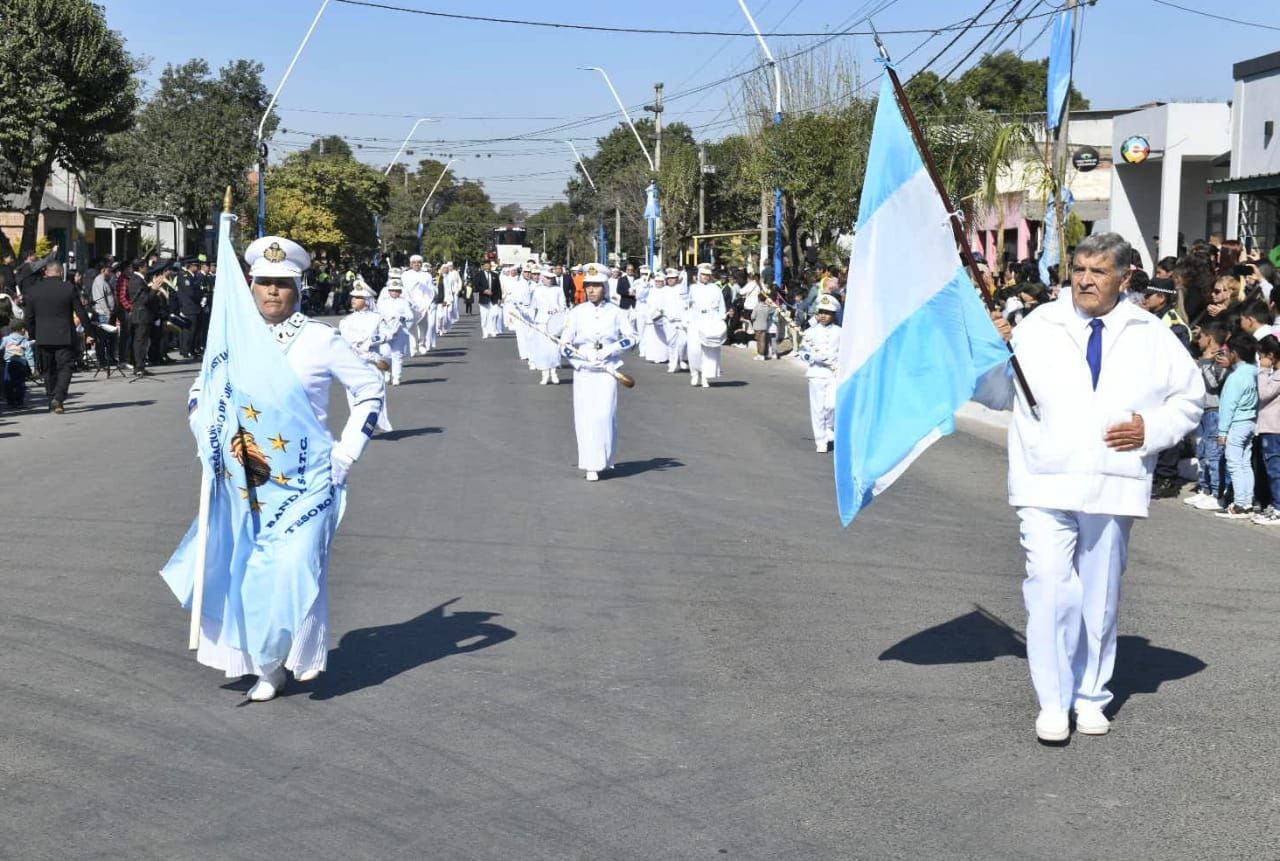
[953, 217]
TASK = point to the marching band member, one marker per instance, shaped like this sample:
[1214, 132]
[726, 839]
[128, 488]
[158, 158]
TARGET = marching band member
[595, 335]
[653, 343]
[706, 313]
[820, 350]
[396, 313]
[519, 296]
[452, 296]
[546, 300]
[672, 315]
[420, 290]
[266, 604]
[362, 329]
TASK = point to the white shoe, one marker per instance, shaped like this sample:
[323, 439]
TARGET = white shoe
[592, 475]
[706, 384]
[386, 375]
[1195, 498]
[308, 676]
[759, 358]
[267, 686]
[555, 378]
[1207, 503]
[684, 366]
[693, 379]
[671, 370]
[546, 376]
[821, 448]
[1091, 721]
[1052, 726]
[395, 382]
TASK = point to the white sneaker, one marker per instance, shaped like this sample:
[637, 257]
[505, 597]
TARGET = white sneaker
[546, 376]
[706, 384]
[1091, 721]
[386, 376]
[555, 378]
[671, 370]
[1208, 503]
[693, 379]
[268, 685]
[395, 382]
[308, 676]
[1052, 725]
[592, 475]
[821, 448]
[759, 358]
[684, 366]
[1195, 498]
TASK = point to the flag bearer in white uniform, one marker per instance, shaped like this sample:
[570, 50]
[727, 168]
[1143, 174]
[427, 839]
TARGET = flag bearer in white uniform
[362, 329]
[546, 300]
[396, 314]
[706, 300]
[673, 321]
[820, 350]
[598, 332]
[1114, 387]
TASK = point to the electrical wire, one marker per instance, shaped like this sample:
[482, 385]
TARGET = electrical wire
[1216, 17]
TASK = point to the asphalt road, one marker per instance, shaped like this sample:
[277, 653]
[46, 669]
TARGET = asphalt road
[689, 659]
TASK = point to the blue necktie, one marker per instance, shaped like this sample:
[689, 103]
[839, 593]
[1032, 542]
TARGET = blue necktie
[1093, 352]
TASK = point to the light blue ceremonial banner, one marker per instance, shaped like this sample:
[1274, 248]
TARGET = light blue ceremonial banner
[273, 510]
[1051, 255]
[916, 336]
[1059, 85]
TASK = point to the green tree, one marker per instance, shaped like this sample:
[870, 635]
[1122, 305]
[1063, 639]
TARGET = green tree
[325, 203]
[568, 237]
[66, 85]
[462, 232]
[512, 213]
[190, 141]
[1007, 84]
[733, 191]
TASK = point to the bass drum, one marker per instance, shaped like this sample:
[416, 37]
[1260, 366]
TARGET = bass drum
[712, 331]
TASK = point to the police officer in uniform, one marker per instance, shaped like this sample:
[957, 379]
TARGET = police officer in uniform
[188, 292]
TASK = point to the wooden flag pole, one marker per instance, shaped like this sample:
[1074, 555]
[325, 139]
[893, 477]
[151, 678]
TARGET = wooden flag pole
[953, 217]
[202, 523]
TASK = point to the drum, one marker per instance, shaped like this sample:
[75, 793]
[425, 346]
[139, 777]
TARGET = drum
[555, 323]
[712, 331]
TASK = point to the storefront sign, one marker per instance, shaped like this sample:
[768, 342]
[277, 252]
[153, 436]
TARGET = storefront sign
[1135, 150]
[1085, 159]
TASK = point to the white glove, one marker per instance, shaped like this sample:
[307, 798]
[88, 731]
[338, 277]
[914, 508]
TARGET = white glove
[339, 465]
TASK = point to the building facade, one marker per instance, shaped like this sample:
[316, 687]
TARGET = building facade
[1253, 208]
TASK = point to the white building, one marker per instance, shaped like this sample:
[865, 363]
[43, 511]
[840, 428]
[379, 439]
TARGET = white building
[1163, 201]
[1254, 184]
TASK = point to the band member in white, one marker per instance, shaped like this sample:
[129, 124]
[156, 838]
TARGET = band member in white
[596, 334]
[452, 294]
[362, 329]
[519, 297]
[706, 328]
[396, 314]
[672, 319]
[820, 350]
[546, 301]
[653, 339]
[420, 290]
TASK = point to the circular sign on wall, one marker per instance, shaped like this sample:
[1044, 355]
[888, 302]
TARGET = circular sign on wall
[1135, 149]
[1085, 159]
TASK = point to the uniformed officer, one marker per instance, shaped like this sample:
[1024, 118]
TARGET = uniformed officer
[706, 313]
[820, 350]
[362, 329]
[188, 291]
[396, 314]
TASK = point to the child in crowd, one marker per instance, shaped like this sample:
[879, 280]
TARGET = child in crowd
[19, 359]
[1269, 424]
[1237, 421]
[820, 350]
[1212, 483]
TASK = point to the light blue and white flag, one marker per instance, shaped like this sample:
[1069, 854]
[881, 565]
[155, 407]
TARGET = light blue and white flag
[1059, 81]
[1051, 255]
[916, 336]
[652, 209]
[273, 510]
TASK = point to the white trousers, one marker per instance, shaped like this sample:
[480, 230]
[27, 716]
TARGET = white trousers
[595, 418]
[1072, 593]
[487, 329]
[423, 334]
[394, 351]
[703, 360]
[822, 409]
[675, 347]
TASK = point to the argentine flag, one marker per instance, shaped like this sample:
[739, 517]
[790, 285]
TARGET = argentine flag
[916, 336]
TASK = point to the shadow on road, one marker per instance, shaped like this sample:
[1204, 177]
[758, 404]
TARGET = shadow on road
[93, 408]
[405, 433]
[982, 636]
[635, 467]
[728, 384]
[367, 657]
[452, 353]
[9, 433]
[424, 380]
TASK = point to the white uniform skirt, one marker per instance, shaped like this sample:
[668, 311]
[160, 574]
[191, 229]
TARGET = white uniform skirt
[308, 652]
[595, 418]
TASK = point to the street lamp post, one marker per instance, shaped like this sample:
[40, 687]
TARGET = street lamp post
[428, 200]
[777, 120]
[262, 123]
[377, 219]
[644, 149]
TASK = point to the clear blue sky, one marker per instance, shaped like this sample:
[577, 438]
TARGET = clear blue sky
[489, 80]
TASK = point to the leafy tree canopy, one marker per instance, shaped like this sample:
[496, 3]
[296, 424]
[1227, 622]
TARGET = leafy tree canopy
[325, 203]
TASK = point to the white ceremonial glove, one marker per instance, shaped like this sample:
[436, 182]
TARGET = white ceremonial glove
[339, 466]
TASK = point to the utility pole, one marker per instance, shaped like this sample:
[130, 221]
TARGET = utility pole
[617, 234]
[1060, 155]
[655, 225]
[702, 189]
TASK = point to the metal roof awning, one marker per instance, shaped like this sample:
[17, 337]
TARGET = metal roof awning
[1262, 182]
[1085, 210]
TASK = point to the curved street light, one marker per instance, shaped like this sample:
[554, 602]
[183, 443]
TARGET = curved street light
[428, 200]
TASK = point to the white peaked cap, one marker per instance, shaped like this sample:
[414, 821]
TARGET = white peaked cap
[276, 257]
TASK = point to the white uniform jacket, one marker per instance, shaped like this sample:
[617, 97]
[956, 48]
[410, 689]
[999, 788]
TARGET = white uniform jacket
[600, 333]
[1061, 461]
[821, 345]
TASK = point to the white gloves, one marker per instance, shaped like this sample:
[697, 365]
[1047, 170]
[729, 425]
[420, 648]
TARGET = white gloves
[339, 465]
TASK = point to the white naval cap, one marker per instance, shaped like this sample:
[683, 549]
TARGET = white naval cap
[395, 272]
[415, 258]
[594, 273]
[361, 291]
[548, 272]
[705, 269]
[671, 273]
[276, 257]
[644, 268]
[827, 302]
[395, 284]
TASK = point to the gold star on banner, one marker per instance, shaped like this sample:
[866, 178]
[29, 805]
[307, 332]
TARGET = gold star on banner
[244, 493]
[227, 472]
[279, 443]
[281, 478]
[256, 506]
[250, 413]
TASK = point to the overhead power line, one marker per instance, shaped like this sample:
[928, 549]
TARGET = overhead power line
[1215, 16]
[646, 31]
